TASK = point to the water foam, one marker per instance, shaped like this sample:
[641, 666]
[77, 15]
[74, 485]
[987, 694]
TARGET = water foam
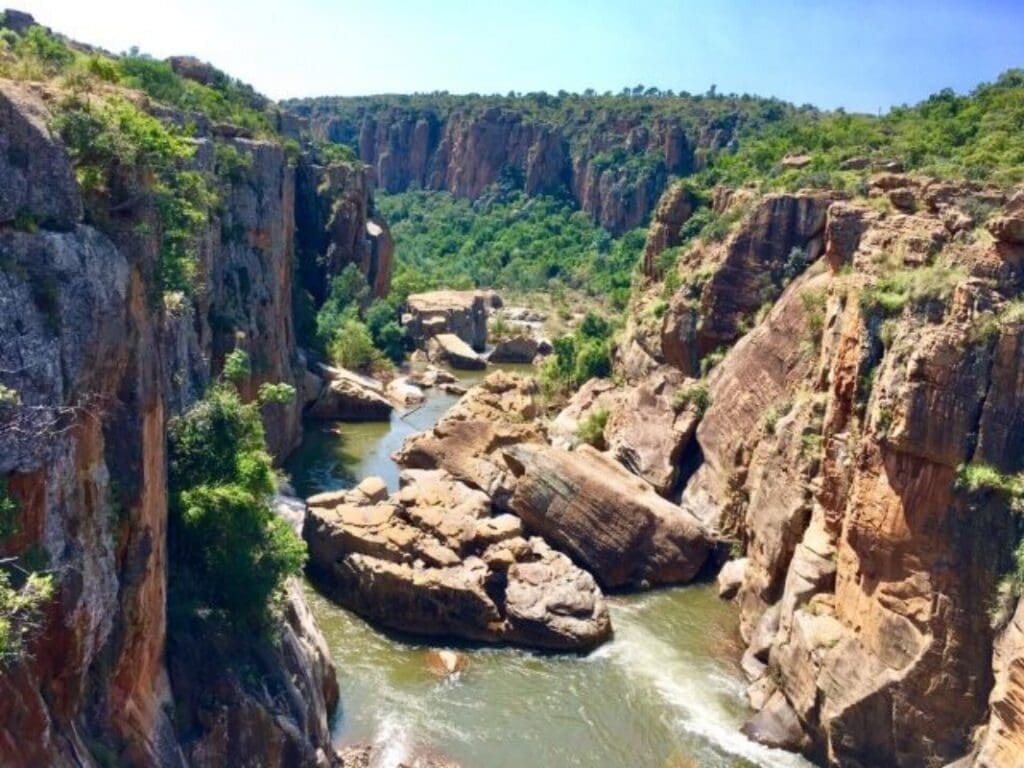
[693, 689]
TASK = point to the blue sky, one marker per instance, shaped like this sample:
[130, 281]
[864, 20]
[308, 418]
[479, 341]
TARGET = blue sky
[863, 55]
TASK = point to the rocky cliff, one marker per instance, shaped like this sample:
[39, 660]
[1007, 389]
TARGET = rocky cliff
[844, 433]
[94, 360]
[612, 156]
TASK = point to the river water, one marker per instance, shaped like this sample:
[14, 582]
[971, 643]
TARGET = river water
[666, 692]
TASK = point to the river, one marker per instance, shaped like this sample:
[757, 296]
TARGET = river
[666, 692]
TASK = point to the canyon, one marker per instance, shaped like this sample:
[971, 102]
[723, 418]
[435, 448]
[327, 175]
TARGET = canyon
[817, 401]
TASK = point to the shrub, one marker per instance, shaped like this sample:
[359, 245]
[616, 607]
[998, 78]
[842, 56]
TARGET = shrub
[237, 367]
[352, 347]
[813, 303]
[711, 359]
[114, 139]
[229, 552]
[891, 293]
[388, 336]
[231, 163]
[981, 478]
[699, 396]
[591, 429]
[20, 610]
[280, 393]
[593, 361]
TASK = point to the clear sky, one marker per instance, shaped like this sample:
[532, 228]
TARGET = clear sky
[859, 54]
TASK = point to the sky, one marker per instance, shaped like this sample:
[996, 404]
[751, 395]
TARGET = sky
[863, 55]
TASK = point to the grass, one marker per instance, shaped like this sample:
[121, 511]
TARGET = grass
[591, 429]
[916, 287]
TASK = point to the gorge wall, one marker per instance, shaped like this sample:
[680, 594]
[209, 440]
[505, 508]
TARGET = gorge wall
[865, 360]
[614, 162]
[98, 360]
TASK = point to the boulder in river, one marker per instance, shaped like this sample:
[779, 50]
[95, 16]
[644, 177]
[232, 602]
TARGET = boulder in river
[350, 397]
[432, 560]
[449, 348]
[515, 349]
[610, 521]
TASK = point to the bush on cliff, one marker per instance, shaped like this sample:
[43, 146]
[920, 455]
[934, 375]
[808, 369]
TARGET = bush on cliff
[228, 551]
[575, 359]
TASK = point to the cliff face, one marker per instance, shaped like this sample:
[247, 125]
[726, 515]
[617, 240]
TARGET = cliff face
[613, 165]
[831, 451]
[100, 361]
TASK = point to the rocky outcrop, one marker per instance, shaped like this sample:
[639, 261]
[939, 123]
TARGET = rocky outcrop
[609, 520]
[337, 226]
[466, 149]
[468, 441]
[348, 396]
[431, 559]
[830, 452]
[1002, 742]
[515, 349]
[674, 209]
[449, 349]
[459, 313]
[231, 718]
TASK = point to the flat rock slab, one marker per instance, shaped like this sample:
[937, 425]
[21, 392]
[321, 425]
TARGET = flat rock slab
[449, 348]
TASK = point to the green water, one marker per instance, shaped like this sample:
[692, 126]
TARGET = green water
[666, 692]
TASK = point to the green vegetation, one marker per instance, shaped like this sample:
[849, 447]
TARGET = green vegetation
[982, 478]
[355, 331]
[977, 478]
[914, 287]
[229, 552]
[585, 355]
[114, 145]
[813, 303]
[698, 395]
[21, 607]
[591, 429]
[506, 240]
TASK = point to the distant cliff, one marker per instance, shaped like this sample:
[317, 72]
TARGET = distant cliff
[613, 155]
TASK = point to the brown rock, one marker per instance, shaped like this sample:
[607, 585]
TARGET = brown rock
[608, 519]
[459, 313]
[517, 349]
[653, 454]
[674, 209]
[350, 397]
[449, 349]
[430, 560]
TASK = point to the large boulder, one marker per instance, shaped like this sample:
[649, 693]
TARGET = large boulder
[447, 348]
[515, 349]
[350, 397]
[432, 560]
[460, 313]
[612, 522]
[468, 441]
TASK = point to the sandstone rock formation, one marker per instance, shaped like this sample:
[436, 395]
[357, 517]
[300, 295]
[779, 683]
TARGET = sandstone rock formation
[515, 349]
[459, 313]
[468, 441]
[432, 560]
[348, 396]
[831, 449]
[609, 520]
[100, 359]
[674, 209]
[449, 349]
[337, 226]
[465, 150]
